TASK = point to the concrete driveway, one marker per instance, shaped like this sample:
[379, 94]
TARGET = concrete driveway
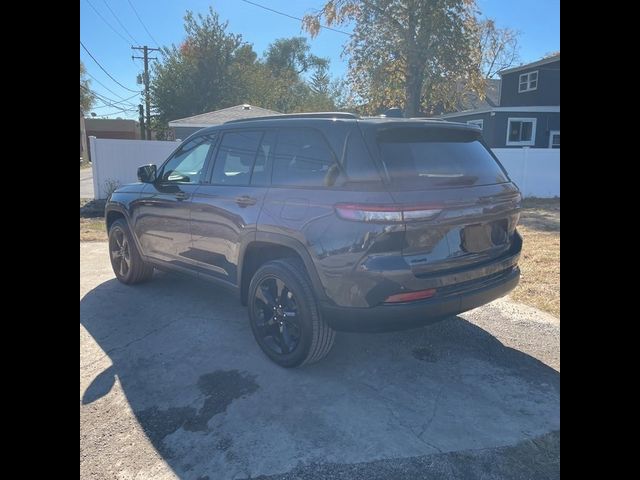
[86, 183]
[172, 385]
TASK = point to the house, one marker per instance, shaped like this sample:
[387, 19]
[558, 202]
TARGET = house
[527, 113]
[183, 127]
[112, 128]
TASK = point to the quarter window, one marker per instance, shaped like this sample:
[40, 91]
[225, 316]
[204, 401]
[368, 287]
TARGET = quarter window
[303, 159]
[528, 82]
[521, 131]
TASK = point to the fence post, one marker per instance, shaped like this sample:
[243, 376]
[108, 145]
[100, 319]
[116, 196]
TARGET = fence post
[95, 160]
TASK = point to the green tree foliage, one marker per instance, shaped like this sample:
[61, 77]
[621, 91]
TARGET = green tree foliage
[417, 54]
[214, 69]
[87, 98]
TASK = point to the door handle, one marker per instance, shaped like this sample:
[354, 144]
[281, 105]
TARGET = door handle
[182, 196]
[245, 201]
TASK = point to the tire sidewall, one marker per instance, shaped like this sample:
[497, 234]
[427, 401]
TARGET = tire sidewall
[304, 304]
[119, 225]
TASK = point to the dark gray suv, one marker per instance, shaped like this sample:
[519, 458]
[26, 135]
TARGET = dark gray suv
[327, 221]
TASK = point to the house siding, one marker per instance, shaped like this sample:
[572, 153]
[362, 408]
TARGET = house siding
[547, 93]
[545, 122]
[495, 126]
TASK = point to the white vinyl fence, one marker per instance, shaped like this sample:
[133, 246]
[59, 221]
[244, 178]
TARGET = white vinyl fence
[115, 162]
[536, 171]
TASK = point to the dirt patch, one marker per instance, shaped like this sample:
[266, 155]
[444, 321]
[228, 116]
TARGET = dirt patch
[92, 227]
[540, 259]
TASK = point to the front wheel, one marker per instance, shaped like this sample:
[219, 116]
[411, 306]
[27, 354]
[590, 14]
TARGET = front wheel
[126, 261]
[284, 315]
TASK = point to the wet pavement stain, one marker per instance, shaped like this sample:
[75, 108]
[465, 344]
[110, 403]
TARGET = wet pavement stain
[424, 354]
[220, 389]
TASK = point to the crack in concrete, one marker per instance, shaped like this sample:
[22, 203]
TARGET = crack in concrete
[122, 347]
[428, 423]
[399, 421]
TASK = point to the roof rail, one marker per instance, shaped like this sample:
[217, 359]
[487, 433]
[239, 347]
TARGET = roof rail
[299, 115]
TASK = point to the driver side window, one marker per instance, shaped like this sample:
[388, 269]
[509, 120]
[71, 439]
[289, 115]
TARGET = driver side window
[187, 165]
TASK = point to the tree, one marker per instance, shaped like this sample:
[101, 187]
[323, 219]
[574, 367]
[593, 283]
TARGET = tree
[409, 53]
[498, 48]
[87, 98]
[199, 75]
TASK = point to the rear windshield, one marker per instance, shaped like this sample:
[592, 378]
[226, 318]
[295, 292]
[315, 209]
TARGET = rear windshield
[433, 157]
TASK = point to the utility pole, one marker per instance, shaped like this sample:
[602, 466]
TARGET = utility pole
[147, 97]
[141, 119]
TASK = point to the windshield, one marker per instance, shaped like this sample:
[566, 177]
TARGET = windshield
[434, 157]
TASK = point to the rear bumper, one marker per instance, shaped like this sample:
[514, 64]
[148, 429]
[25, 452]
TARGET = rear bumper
[410, 315]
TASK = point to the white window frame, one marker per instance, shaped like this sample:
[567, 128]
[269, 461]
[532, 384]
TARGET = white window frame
[525, 143]
[551, 134]
[528, 82]
[479, 122]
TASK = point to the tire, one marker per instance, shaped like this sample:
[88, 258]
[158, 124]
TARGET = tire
[126, 261]
[314, 337]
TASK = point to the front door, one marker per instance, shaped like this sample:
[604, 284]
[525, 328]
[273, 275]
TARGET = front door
[225, 211]
[161, 221]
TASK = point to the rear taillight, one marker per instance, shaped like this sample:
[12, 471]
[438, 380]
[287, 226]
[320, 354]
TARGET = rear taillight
[363, 212]
[411, 296]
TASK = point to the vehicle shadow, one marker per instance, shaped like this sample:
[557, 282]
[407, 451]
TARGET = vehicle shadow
[211, 404]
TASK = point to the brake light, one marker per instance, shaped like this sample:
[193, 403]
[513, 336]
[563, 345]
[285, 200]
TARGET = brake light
[411, 296]
[363, 212]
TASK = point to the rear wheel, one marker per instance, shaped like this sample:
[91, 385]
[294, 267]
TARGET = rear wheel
[126, 261]
[284, 315]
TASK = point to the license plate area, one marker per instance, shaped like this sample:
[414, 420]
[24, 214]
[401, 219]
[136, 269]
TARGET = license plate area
[484, 236]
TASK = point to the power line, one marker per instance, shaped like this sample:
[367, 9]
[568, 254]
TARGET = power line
[103, 69]
[119, 22]
[142, 23]
[294, 18]
[121, 101]
[107, 88]
[108, 24]
[105, 99]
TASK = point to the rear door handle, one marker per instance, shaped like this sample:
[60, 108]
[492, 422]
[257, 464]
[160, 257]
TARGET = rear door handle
[245, 201]
[182, 196]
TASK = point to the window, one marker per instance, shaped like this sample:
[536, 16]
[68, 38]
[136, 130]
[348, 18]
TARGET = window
[554, 139]
[264, 159]
[521, 131]
[303, 159]
[187, 164]
[235, 158]
[528, 82]
[423, 158]
[479, 122]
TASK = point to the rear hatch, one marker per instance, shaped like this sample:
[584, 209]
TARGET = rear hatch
[460, 208]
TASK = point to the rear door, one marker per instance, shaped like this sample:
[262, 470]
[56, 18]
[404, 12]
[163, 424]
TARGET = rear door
[459, 205]
[226, 207]
[162, 216]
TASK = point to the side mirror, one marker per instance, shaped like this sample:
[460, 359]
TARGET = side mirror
[147, 173]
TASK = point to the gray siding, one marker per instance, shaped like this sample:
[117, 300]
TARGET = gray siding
[545, 122]
[547, 93]
[495, 126]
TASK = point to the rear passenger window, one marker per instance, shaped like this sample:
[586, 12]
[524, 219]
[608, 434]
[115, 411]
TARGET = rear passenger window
[235, 158]
[302, 159]
[264, 159]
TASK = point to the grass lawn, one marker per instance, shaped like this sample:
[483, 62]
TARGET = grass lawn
[539, 262]
[540, 259]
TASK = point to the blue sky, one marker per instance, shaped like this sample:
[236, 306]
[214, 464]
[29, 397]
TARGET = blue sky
[538, 23]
